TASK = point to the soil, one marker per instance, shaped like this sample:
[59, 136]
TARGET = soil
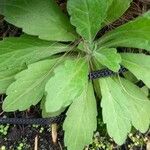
[31, 136]
[27, 134]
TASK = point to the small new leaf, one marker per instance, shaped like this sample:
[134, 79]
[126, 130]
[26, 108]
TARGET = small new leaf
[28, 89]
[109, 58]
[67, 83]
[138, 64]
[81, 120]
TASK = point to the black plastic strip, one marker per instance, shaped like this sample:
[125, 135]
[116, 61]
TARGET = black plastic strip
[30, 121]
[105, 73]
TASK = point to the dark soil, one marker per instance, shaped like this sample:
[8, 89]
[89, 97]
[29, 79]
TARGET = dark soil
[32, 135]
[27, 134]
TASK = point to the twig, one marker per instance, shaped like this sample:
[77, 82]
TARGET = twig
[36, 143]
[60, 145]
[54, 133]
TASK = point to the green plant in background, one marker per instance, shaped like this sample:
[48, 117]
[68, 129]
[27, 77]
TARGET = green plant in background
[3, 147]
[20, 147]
[52, 60]
[4, 129]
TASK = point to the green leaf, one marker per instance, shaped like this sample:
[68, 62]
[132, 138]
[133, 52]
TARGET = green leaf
[81, 120]
[41, 18]
[137, 105]
[28, 89]
[47, 115]
[113, 110]
[108, 57]
[87, 16]
[19, 52]
[138, 64]
[134, 34]
[128, 105]
[6, 78]
[67, 84]
[116, 10]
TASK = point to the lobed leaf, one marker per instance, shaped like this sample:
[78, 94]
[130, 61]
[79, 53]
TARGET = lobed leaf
[137, 103]
[81, 120]
[67, 84]
[128, 105]
[114, 111]
[28, 89]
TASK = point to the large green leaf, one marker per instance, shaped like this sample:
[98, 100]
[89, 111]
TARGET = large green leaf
[133, 34]
[19, 52]
[113, 110]
[137, 105]
[123, 104]
[67, 83]
[87, 16]
[116, 10]
[41, 18]
[28, 89]
[81, 120]
[108, 57]
[139, 65]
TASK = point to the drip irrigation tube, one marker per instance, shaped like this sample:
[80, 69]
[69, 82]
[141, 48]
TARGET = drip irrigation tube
[105, 73]
[48, 121]
[31, 121]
